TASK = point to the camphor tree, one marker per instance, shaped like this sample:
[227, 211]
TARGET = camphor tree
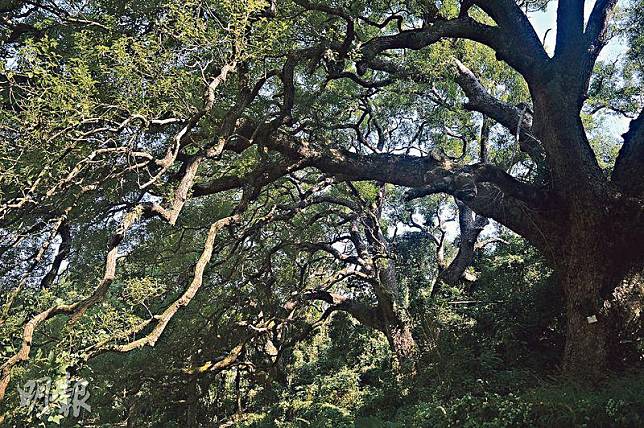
[205, 126]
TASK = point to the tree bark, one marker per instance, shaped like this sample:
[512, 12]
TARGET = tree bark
[587, 326]
[471, 225]
[603, 305]
[401, 340]
[391, 298]
[582, 251]
[396, 321]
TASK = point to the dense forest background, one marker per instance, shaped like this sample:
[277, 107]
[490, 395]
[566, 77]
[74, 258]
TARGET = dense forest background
[284, 213]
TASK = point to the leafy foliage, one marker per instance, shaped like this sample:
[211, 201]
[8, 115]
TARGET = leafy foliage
[193, 217]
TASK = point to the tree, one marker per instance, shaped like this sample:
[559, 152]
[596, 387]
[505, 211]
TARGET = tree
[123, 119]
[575, 201]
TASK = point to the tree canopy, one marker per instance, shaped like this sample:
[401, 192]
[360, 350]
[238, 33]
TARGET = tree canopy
[213, 205]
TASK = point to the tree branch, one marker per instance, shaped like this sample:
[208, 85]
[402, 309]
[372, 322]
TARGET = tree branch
[507, 115]
[570, 28]
[516, 27]
[61, 254]
[75, 310]
[487, 189]
[464, 27]
[163, 319]
[471, 225]
[362, 312]
[596, 29]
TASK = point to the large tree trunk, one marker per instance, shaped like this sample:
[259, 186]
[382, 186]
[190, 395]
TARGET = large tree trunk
[603, 306]
[587, 327]
[580, 250]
